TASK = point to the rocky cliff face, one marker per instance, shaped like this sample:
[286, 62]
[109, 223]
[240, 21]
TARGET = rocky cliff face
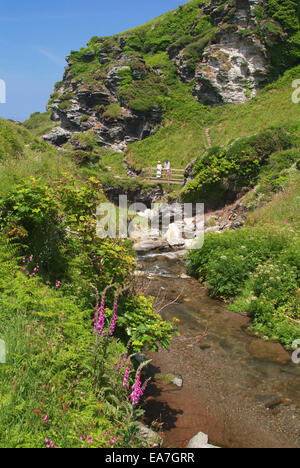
[235, 64]
[119, 88]
[85, 110]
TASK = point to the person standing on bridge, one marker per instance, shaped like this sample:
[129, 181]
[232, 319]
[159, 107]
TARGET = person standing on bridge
[167, 169]
[159, 170]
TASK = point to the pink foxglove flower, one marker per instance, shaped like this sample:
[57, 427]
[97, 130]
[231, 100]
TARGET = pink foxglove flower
[126, 376]
[115, 316]
[120, 363]
[136, 393]
[99, 318]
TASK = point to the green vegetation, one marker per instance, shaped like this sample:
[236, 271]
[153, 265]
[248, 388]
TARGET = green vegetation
[113, 111]
[183, 136]
[39, 123]
[61, 382]
[257, 267]
[281, 20]
[221, 172]
[172, 27]
[22, 155]
[48, 386]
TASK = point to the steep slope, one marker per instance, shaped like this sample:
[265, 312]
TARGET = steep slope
[123, 88]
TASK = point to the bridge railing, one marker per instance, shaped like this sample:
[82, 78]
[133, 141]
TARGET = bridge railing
[171, 176]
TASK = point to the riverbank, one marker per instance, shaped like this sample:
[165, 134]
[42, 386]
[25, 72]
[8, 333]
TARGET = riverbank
[242, 391]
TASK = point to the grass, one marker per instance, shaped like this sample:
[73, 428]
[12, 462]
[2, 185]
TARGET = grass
[256, 268]
[47, 386]
[60, 384]
[183, 137]
[23, 155]
[283, 209]
[40, 123]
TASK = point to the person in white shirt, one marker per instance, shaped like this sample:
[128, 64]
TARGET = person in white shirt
[159, 170]
[167, 168]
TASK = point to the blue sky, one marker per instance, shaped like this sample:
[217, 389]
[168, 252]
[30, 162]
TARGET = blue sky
[36, 36]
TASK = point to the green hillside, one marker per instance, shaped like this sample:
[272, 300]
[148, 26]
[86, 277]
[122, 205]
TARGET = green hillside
[185, 135]
[60, 385]
[148, 79]
[71, 313]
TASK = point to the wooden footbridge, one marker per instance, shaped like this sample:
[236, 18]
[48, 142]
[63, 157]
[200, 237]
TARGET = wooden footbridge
[174, 176]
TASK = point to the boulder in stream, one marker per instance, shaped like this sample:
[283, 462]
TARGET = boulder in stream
[200, 441]
[151, 438]
[148, 245]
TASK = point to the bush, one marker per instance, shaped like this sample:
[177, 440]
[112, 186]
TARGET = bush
[281, 18]
[257, 269]
[67, 387]
[236, 167]
[113, 111]
[273, 301]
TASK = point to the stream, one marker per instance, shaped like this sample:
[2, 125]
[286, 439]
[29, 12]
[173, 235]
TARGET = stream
[242, 391]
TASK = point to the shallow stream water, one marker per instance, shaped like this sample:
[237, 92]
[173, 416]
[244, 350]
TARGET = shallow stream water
[242, 391]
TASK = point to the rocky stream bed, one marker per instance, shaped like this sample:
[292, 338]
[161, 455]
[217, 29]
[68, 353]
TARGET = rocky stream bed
[242, 391]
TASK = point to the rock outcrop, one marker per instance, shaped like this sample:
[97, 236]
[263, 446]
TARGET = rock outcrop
[79, 108]
[235, 65]
[119, 87]
[200, 441]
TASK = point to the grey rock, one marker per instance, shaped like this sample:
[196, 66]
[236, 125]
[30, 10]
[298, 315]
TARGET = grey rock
[200, 441]
[114, 79]
[140, 358]
[224, 226]
[134, 195]
[178, 381]
[237, 224]
[185, 72]
[122, 43]
[58, 136]
[188, 174]
[184, 276]
[148, 245]
[235, 66]
[151, 438]
[88, 56]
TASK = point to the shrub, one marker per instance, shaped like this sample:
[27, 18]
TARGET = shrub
[257, 269]
[273, 301]
[67, 386]
[236, 167]
[113, 111]
[10, 142]
[84, 118]
[281, 17]
[65, 105]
